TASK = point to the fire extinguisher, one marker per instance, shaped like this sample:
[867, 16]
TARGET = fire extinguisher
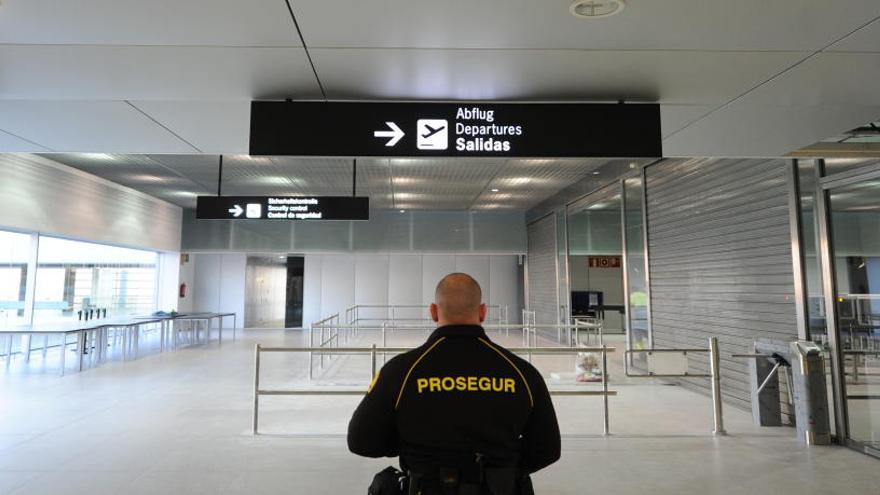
[182, 290]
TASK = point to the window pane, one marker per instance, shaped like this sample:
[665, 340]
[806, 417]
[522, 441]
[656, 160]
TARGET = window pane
[74, 276]
[14, 249]
[635, 267]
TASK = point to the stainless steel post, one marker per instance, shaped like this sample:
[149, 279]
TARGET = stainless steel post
[373, 361]
[384, 324]
[715, 361]
[63, 346]
[256, 386]
[855, 367]
[606, 424]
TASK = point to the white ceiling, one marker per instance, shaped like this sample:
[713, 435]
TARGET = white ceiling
[422, 183]
[734, 78]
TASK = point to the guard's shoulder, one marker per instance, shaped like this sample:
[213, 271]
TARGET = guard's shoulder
[527, 368]
[401, 363]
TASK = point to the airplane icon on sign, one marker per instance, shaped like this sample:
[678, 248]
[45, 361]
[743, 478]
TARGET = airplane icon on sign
[432, 131]
[433, 134]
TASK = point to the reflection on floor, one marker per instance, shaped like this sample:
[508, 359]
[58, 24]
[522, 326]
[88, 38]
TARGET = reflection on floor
[180, 423]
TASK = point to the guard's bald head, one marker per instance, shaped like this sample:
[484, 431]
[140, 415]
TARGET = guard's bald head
[458, 298]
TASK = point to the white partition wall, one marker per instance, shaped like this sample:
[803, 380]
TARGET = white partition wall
[219, 283]
[476, 266]
[337, 283]
[312, 282]
[434, 267]
[405, 282]
[371, 281]
[503, 288]
[334, 282]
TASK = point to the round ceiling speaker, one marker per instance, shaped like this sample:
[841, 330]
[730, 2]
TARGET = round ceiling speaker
[596, 9]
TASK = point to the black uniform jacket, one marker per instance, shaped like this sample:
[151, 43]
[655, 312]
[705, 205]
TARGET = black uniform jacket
[457, 395]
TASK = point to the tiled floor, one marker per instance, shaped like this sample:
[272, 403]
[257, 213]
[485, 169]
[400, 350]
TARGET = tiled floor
[180, 423]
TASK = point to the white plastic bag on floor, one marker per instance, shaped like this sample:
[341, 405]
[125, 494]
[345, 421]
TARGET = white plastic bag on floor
[587, 367]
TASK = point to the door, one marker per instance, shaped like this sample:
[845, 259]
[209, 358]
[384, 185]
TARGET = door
[852, 261]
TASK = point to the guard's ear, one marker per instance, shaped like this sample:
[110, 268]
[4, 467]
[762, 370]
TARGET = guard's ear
[483, 311]
[435, 315]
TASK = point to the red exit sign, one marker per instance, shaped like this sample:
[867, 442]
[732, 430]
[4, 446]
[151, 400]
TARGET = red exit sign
[604, 261]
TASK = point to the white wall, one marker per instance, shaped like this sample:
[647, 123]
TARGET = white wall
[40, 195]
[336, 281]
[187, 276]
[169, 277]
[219, 283]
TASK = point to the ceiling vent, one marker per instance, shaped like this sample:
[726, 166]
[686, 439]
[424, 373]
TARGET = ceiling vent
[596, 9]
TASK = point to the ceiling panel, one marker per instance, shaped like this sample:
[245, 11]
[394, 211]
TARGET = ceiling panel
[104, 126]
[530, 181]
[140, 172]
[747, 129]
[667, 24]
[70, 72]
[450, 183]
[10, 143]
[671, 77]
[674, 117]
[210, 126]
[828, 78]
[828, 94]
[154, 22]
[866, 39]
[421, 184]
[199, 169]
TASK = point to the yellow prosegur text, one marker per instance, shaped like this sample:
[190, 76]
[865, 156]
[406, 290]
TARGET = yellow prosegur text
[466, 384]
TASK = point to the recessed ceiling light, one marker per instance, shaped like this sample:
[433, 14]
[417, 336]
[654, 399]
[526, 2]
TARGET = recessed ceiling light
[596, 172]
[403, 211]
[494, 189]
[596, 9]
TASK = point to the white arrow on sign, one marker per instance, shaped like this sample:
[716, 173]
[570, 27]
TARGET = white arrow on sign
[395, 134]
[237, 211]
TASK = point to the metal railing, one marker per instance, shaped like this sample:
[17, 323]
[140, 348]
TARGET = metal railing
[858, 357]
[375, 351]
[714, 374]
[405, 312]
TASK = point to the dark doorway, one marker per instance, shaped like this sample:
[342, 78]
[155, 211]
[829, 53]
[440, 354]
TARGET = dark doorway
[294, 308]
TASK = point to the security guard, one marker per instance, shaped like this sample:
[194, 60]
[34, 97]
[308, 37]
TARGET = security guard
[464, 414]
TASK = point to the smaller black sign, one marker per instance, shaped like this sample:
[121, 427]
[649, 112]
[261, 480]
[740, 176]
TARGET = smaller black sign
[282, 208]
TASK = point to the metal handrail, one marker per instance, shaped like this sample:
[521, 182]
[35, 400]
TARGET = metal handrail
[352, 313]
[374, 351]
[714, 374]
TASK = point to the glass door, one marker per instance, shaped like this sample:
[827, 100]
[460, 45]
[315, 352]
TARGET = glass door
[853, 262]
[595, 259]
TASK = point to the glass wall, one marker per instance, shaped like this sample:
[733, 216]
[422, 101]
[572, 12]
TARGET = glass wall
[855, 226]
[637, 279]
[75, 276]
[14, 253]
[595, 258]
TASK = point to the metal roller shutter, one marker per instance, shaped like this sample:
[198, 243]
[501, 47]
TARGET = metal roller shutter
[542, 271]
[720, 260]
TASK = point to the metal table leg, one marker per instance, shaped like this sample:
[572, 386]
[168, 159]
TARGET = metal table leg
[63, 348]
[80, 340]
[27, 350]
[9, 349]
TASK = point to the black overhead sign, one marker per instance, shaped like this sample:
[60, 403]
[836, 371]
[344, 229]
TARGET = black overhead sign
[283, 207]
[455, 129]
